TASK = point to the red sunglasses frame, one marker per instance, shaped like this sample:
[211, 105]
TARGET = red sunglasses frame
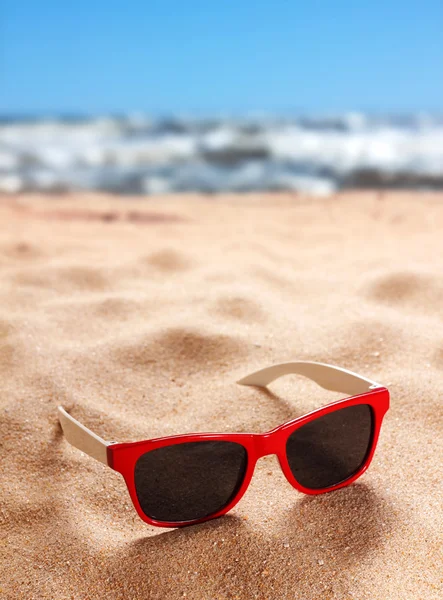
[122, 457]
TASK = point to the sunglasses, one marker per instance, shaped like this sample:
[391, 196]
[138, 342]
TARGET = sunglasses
[186, 479]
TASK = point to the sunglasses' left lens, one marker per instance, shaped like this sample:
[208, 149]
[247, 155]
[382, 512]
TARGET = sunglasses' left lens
[189, 481]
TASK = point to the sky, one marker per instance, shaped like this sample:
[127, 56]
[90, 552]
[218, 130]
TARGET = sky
[228, 57]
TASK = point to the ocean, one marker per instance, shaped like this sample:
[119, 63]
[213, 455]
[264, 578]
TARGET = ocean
[135, 154]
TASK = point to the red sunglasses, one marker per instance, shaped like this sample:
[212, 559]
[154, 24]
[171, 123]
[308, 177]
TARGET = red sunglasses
[186, 479]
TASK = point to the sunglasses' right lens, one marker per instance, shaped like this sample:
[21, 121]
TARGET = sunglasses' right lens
[189, 481]
[331, 448]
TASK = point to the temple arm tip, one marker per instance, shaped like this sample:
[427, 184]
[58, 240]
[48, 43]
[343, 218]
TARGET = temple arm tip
[245, 383]
[251, 380]
[81, 437]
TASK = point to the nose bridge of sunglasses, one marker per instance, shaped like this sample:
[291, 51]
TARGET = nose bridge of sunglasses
[267, 443]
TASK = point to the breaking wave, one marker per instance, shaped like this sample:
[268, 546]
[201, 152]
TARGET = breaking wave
[137, 155]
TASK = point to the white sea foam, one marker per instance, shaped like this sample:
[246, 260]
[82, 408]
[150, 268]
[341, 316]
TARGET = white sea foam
[137, 155]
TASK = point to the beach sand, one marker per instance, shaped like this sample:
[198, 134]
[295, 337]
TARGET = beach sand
[140, 315]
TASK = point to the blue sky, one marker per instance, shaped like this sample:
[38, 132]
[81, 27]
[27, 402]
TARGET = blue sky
[204, 57]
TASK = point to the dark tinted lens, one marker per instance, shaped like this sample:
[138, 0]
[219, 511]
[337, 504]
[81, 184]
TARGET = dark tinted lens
[331, 448]
[189, 481]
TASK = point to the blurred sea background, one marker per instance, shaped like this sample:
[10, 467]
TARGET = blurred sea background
[135, 154]
[152, 98]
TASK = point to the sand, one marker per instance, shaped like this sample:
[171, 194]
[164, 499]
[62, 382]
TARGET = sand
[140, 315]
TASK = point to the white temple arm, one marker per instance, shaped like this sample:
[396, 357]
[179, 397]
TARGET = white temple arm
[83, 438]
[327, 376]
